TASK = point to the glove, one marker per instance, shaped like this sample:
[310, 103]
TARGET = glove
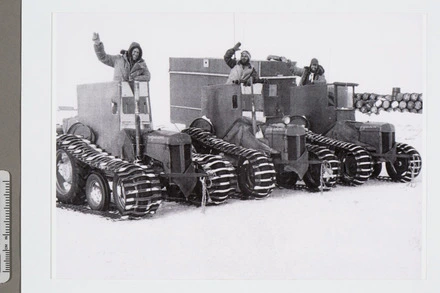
[246, 82]
[96, 39]
[237, 47]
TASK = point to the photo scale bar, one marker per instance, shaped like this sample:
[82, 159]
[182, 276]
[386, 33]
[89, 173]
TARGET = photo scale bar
[5, 226]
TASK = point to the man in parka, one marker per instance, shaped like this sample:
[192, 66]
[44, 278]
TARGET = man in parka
[129, 65]
[241, 70]
[313, 74]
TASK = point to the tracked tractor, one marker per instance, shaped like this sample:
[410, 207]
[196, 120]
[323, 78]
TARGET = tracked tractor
[362, 147]
[109, 153]
[238, 116]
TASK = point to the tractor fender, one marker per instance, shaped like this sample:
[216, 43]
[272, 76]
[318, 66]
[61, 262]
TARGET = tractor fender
[240, 134]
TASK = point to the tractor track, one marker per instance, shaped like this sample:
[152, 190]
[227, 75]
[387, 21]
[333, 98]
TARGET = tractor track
[413, 164]
[356, 161]
[140, 185]
[329, 160]
[258, 165]
[221, 179]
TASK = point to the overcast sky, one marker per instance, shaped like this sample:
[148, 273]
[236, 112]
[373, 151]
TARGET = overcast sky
[378, 51]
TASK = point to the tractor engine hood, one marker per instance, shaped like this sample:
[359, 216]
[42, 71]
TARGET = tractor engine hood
[375, 136]
[375, 126]
[290, 141]
[173, 150]
[165, 137]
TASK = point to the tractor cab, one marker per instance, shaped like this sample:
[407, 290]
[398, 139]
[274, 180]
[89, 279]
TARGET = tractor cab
[322, 105]
[341, 94]
[104, 109]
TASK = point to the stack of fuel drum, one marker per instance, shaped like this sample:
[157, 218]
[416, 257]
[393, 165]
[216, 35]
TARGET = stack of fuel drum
[370, 103]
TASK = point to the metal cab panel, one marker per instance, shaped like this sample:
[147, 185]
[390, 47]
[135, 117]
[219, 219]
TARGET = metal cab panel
[95, 110]
[102, 107]
[223, 105]
[312, 102]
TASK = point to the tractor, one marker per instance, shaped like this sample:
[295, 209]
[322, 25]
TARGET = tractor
[328, 114]
[362, 147]
[109, 153]
[244, 116]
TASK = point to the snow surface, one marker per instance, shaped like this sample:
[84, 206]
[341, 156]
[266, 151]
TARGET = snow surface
[373, 231]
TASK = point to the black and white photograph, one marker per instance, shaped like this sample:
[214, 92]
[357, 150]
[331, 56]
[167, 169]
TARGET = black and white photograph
[228, 148]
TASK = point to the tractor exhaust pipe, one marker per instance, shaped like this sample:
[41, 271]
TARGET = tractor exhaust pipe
[137, 120]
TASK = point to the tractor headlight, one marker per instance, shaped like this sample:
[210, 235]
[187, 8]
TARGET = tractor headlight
[286, 120]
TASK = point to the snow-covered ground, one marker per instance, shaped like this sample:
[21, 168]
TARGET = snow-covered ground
[374, 231]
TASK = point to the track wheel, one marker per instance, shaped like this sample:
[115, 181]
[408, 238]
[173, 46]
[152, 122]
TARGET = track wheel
[404, 169]
[70, 178]
[220, 181]
[377, 168]
[136, 192]
[256, 176]
[355, 166]
[97, 192]
[287, 179]
[119, 196]
[321, 175]
[205, 125]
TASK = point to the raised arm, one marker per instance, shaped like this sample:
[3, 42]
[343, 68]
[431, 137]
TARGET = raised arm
[229, 53]
[100, 52]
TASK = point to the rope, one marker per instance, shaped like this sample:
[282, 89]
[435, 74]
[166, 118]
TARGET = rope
[202, 180]
[325, 167]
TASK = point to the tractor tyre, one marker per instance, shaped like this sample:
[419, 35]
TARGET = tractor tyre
[119, 197]
[203, 124]
[312, 178]
[220, 180]
[82, 130]
[256, 178]
[97, 192]
[300, 120]
[355, 166]
[136, 192]
[70, 178]
[404, 169]
[287, 179]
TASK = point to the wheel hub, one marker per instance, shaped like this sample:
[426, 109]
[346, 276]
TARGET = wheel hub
[120, 194]
[247, 169]
[349, 164]
[96, 193]
[64, 168]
